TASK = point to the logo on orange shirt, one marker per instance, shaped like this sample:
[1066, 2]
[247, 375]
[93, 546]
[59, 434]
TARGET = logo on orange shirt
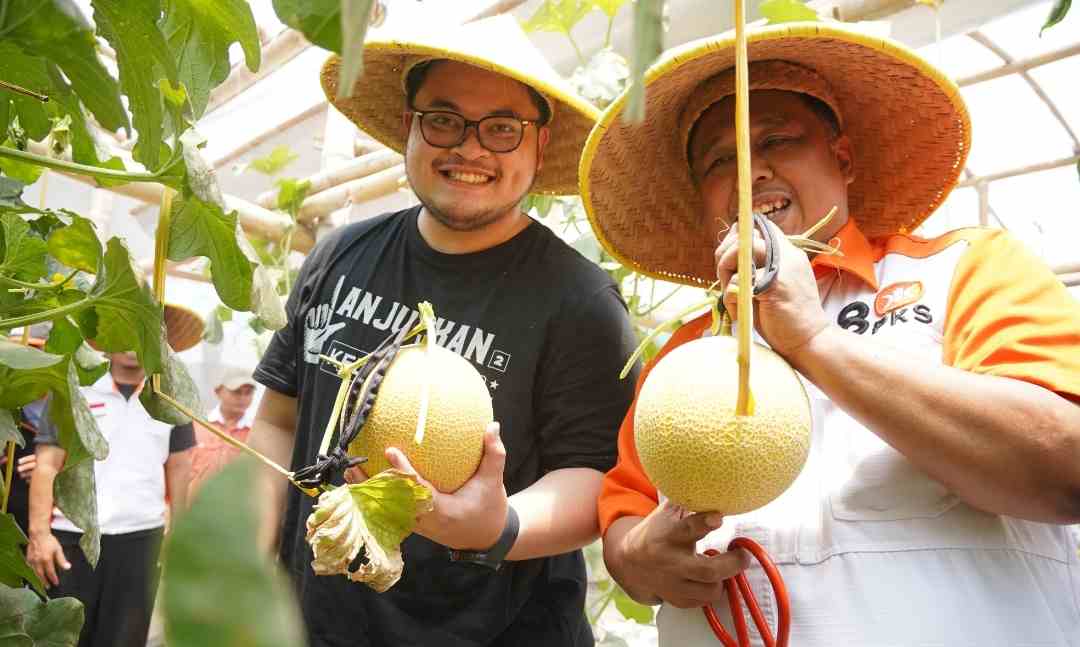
[896, 296]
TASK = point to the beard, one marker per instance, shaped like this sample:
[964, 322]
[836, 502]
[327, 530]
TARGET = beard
[466, 218]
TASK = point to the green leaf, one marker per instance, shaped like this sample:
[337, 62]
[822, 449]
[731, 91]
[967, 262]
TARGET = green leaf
[291, 194]
[64, 337]
[214, 333]
[56, 30]
[26, 621]
[610, 7]
[250, 602]
[9, 432]
[1057, 14]
[265, 300]
[648, 44]
[90, 365]
[631, 610]
[781, 11]
[143, 57]
[177, 383]
[21, 171]
[355, 15]
[13, 567]
[199, 228]
[318, 20]
[558, 15]
[199, 33]
[274, 161]
[11, 194]
[76, 245]
[25, 70]
[128, 318]
[19, 357]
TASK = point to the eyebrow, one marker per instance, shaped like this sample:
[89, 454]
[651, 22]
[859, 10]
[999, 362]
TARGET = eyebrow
[770, 121]
[450, 105]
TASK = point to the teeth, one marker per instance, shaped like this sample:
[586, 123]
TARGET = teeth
[471, 178]
[768, 208]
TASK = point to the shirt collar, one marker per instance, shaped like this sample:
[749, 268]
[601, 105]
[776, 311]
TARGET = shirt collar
[245, 421]
[856, 256]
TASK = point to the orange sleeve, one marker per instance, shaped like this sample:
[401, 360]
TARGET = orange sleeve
[626, 491]
[1008, 315]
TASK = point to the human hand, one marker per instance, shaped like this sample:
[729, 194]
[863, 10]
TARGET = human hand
[26, 465]
[473, 516]
[658, 559]
[788, 314]
[45, 554]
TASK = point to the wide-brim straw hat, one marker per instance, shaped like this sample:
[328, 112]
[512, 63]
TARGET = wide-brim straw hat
[183, 327]
[497, 44]
[909, 128]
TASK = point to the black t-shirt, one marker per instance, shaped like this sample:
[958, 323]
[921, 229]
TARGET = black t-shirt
[549, 332]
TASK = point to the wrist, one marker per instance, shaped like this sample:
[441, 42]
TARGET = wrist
[39, 533]
[822, 344]
[493, 556]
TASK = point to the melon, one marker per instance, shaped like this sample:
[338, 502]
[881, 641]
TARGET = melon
[693, 447]
[459, 410]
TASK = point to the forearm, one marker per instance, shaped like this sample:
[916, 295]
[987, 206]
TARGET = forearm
[616, 562]
[557, 513]
[276, 443]
[177, 479]
[1002, 445]
[41, 498]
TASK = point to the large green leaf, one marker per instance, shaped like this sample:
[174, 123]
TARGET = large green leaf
[1057, 14]
[23, 253]
[90, 365]
[84, 145]
[250, 603]
[56, 30]
[199, 228]
[199, 33]
[19, 357]
[143, 57]
[9, 432]
[13, 567]
[128, 318]
[177, 383]
[75, 492]
[76, 245]
[610, 7]
[318, 20]
[781, 11]
[558, 15]
[275, 161]
[28, 72]
[355, 15]
[21, 171]
[11, 195]
[26, 621]
[64, 337]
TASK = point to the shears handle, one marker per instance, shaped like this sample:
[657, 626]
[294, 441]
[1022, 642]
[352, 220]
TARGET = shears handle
[737, 587]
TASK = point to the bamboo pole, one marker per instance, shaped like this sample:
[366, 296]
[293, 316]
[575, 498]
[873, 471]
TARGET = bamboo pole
[1023, 170]
[358, 168]
[983, 190]
[1067, 268]
[858, 10]
[1070, 280]
[1020, 66]
[743, 404]
[367, 188]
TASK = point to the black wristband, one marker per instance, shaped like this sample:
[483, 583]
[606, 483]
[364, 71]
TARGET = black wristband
[493, 557]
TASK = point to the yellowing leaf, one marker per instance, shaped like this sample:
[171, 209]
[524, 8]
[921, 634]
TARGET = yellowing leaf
[781, 11]
[374, 516]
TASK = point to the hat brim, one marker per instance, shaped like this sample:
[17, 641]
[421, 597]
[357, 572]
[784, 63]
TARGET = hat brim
[183, 327]
[909, 128]
[378, 102]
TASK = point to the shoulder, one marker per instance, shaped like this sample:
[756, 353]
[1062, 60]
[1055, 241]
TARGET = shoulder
[338, 239]
[919, 247]
[565, 266]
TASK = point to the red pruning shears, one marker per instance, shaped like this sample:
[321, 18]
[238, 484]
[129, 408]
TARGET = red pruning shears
[738, 585]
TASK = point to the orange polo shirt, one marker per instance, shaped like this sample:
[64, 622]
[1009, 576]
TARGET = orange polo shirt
[988, 303]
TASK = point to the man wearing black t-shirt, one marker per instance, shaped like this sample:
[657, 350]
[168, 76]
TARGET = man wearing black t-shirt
[545, 327]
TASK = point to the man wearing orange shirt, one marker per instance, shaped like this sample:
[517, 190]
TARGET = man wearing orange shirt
[943, 374]
[233, 416]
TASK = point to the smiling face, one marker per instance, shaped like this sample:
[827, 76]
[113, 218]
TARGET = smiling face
[467, 187]
[800, 167]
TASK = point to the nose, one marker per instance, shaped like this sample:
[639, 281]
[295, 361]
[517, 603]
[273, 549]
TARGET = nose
[760, 169]
[470, 147]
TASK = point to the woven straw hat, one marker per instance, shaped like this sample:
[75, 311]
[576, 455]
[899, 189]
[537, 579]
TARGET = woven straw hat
[183, 327]
[497, 44]
[909, 129]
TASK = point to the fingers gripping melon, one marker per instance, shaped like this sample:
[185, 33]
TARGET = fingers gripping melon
[695, 449]
[459, 409]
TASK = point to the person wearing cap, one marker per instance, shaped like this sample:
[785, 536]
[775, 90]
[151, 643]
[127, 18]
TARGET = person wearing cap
[233, 415]
[143, 479]
[943, 374]
[482, 121]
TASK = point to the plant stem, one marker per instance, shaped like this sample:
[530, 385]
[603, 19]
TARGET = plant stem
[161, 249]
[9, 469]
[657, 304]
[607, 36]
[577, 50]
[7, 280]
[79, 169]
[46, 315]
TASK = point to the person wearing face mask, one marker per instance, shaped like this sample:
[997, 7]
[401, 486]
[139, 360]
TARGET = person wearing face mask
[482, 121]
[943, 374]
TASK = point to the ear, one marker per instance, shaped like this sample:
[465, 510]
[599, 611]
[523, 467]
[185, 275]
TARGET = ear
[406, 122]
[542, 137]
[841, 148]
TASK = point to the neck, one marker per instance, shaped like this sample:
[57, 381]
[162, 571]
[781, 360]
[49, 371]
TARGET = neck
[451, 241]
[231, 419]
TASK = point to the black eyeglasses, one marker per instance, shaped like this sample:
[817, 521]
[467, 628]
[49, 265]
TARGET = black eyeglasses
[497, 134]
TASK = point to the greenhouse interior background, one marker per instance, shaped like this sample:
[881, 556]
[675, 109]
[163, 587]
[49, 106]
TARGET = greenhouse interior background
[1023, 172]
